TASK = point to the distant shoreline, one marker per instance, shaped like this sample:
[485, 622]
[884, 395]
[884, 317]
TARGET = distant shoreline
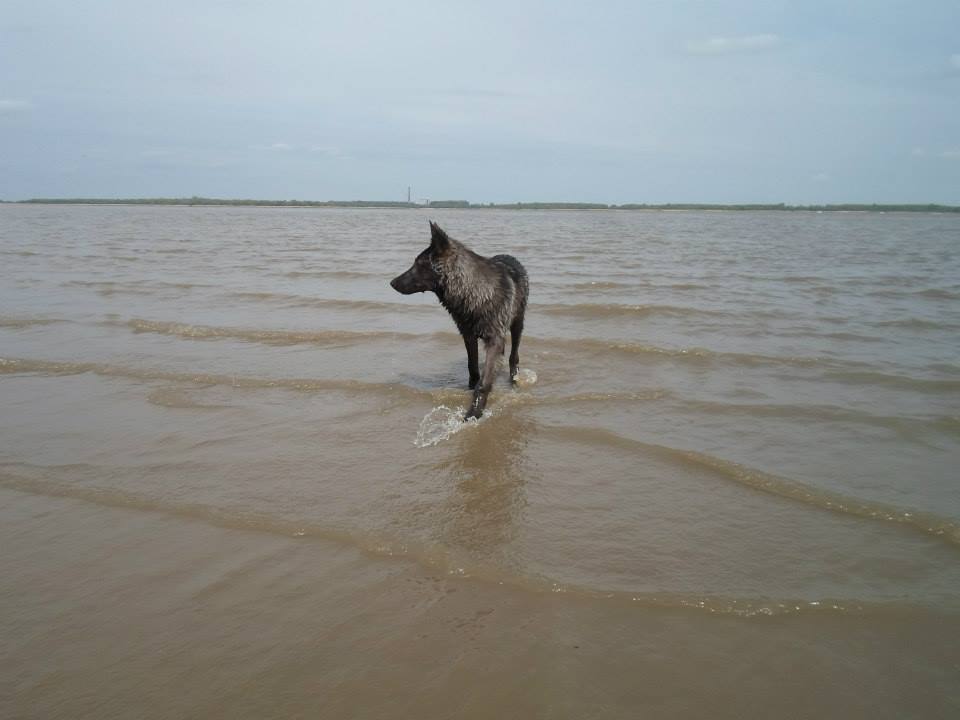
[463, 204]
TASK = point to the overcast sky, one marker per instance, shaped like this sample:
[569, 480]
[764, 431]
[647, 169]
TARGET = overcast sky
[738, 101]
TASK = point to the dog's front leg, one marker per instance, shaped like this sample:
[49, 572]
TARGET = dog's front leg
[494, 350]
[470, 341]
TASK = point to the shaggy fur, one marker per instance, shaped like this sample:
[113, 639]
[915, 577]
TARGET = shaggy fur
[486, 297]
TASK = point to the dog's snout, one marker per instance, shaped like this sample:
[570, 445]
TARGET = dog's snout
[401, 283]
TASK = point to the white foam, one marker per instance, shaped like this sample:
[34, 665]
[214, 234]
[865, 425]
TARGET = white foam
[441, 423]
[525, 377]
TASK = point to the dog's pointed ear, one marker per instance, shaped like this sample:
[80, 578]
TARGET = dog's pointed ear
[439, 240]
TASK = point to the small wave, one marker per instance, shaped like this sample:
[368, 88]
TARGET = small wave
[53, 368]
[438, 558]
[267, 337]
[12, 366]
[819, 334]
[504, 396]
[799, 279]
[289, 300]
[107, 288]
[597, 311]
[585, 398]
[938, 294]
[833, 369]
[576, 345]
[930, 293]
[950, 424]
[613, 285]
[20, 253]
[901, 382]
[693, 354]
[334, 274]
[943, 367]
[944, 528]
[904, 425]
[386, 390]
[180, 285]
[174, 397]
[685, 286]
[917, 324]
[150, 287]
[18, 323]
[601, 285]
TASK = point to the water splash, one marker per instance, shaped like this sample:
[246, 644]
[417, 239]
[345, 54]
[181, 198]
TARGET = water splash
[441, 423]
[526, 377]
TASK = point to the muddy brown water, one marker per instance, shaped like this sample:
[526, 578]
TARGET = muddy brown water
[233, 482]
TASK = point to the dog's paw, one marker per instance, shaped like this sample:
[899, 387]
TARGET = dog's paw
[476, 410]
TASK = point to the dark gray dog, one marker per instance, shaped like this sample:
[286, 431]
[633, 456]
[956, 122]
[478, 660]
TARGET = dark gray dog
[485, 297]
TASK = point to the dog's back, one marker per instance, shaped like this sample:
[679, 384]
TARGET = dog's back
[483, 295]
[521, 284]
[516, 270]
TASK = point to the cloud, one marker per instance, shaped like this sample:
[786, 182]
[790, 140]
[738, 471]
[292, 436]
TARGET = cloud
[273, 146]
[331, 150]
[955, 61]
[10, 106]
[952, 153]
[729, 45]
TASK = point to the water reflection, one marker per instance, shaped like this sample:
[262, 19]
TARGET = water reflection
[488, 473]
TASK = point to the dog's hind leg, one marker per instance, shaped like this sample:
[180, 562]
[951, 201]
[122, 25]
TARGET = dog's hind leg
[470, 341]
[516, 330]
[494, 350]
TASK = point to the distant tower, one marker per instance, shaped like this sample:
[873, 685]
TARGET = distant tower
[408, 194]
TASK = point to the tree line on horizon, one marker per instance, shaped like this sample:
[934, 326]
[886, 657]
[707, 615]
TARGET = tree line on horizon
[464, 204]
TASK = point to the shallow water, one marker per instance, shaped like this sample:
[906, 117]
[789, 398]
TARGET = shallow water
[724, 418]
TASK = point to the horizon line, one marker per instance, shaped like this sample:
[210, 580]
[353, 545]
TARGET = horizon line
[465, 204]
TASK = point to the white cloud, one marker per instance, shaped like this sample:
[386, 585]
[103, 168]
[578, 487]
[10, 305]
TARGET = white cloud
[326, 150]
[948, 153]
[821, 177]
[273, 146]
[7, 105]
[727, 45]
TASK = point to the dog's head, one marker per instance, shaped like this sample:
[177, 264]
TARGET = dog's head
[424, 274]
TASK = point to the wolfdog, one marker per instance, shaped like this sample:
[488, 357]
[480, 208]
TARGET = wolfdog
[484, 296]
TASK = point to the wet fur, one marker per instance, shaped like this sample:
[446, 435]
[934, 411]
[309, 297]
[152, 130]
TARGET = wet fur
[486, 297]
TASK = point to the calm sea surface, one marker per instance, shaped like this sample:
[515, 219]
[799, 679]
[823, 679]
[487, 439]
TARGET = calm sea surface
[233, 481]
